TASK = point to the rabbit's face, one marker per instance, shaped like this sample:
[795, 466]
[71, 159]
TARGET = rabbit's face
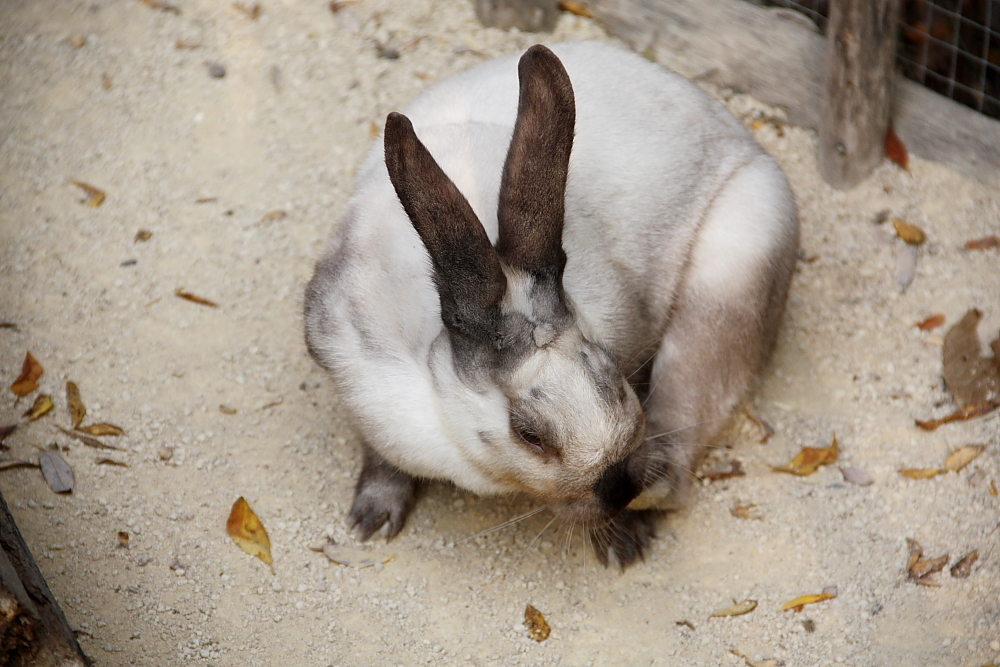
[574, 421]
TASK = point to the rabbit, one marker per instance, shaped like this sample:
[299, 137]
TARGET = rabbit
[557, 275]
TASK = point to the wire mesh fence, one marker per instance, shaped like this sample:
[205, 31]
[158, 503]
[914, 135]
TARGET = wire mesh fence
[949, 46]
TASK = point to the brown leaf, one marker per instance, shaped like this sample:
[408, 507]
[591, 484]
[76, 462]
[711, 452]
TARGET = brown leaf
[686, 624]
[111, 462]
[87, 440]
[991, 241]
[962, 457]
[106, 81]
[963, 568]
[142, 236]
[123, 538]
[252, 12]
[923, 568]
[95, 196]
[746, 512]
[161, 5]
[895, 150]
[909, 232]
[5, 431]
[993, 489]
[272, 216]
[921, 473]
[737, 609]
[798, 603]
[101, 429]
[807, 461]
[735, 470]
[577, 8]
[77, 409]
[963, 414]
[971, 378]
[273, 404]
[337, 5]
[31, 370]
[359, 559]
[10, 465]
[194, 298]
[248, 532]
[537, 626]
[226, 410]
[8, 325]
[56, 471]
[43, 404]
[189, 44]
[932, 322]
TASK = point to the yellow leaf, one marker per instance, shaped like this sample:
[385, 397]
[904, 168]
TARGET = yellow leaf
[908, 232]
[810, 459]
[802, 601]
[95, 196]
[962, 457]
[537, 626]
[577, 8]
[42, 405]
[101, 429]
[77, 410]
[921, 473]
[739, 609]
[248, 532]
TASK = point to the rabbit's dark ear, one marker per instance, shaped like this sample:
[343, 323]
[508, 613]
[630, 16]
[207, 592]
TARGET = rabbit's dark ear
[467, 272]
[533, 189]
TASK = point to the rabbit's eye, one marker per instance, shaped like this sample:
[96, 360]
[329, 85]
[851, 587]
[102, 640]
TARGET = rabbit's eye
[533, 440]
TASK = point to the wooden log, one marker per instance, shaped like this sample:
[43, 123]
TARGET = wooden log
[526, 15]
[857, 90]
[776, 55]
[33, 629]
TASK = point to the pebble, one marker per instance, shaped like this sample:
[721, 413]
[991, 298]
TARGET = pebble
[216, 71]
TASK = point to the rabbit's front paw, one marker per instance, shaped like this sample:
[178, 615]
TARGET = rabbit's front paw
[384, 496]
[623, 541]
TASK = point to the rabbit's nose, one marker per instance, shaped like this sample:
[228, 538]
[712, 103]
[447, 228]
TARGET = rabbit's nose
[616, 488]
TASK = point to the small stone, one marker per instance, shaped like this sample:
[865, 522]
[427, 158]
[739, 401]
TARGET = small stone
[277, 587]
[995, 645]
[216, 71]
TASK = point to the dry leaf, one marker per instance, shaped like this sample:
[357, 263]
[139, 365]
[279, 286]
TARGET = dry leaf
[921, 473]
[57, 472]
[537, 626]
[359, 559]
[142, 236]
[798, 603]
[272, 216]
[963, 568]
[123, 538]
[31, 370]
[856, 476]
[273, 404]
[917, 568]
[10, 465]
[993, 489]
[248, 532]
[111, 462]
[77, 410]
[745, 512]
[895, 150]
[962, 457]
[737, 609]
[577, 8]
[932, 322]
[735, 470]
[906, 266]
[206, 200]
[101, 429]
[194, 298]
[766, 429]
[226, 410]
[106, 82]
[908, 232]
[337, 5]
[43, 403]
[189, 44]
[95, 196]
[161, 5]
[992, 241]
[971, 378]
[252, 12]
[810, 459]
[686, 624]
[968, 412]
[87, 440]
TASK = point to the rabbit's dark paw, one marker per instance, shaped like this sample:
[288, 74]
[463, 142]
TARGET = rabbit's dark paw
[384, 496]
[624, 540]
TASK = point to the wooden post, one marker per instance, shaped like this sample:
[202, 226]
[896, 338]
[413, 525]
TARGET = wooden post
[33, 629]
[857, 89]
[527, 15]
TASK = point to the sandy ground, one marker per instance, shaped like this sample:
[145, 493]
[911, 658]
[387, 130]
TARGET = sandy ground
[131, 113]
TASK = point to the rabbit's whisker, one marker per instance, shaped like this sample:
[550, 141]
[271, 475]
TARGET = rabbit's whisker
[509, 522]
